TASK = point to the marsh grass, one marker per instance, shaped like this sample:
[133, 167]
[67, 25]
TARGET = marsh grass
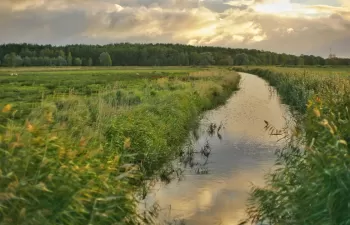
[83, 158]
[312, 185]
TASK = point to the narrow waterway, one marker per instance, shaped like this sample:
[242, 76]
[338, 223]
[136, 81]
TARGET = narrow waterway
[241, 152]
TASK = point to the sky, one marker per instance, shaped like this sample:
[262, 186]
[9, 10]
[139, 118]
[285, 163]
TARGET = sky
[290, 26]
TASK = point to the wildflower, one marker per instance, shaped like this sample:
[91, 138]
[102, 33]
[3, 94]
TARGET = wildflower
[318, 99]
[127, 143]
[324, 122]
[30, 127]
[309, 104]
[7, 108]
[317, 112]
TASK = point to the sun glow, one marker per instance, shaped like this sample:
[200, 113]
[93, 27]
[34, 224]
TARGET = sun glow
[203, 32]
[274, 7]
[286, 8]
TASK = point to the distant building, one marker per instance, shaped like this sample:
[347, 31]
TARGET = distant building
[331, 55]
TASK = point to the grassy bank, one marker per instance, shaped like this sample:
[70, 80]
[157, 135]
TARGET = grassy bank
[82, 153]
[313, 184]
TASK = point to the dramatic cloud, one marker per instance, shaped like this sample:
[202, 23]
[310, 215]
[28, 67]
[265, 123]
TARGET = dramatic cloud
[294, 26]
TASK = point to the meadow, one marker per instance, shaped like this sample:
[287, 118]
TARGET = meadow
[80, 146]
[311, 184]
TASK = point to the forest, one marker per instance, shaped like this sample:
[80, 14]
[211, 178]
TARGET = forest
[127, 54]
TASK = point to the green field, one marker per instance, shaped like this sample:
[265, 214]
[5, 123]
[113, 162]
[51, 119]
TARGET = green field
[81, 146]
[312, 183]
[31, 85]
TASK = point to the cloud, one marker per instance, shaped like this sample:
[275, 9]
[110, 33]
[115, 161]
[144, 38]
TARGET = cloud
[277, 25]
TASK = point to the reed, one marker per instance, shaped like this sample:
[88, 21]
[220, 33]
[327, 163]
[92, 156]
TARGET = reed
[311, 184]
[84, 158]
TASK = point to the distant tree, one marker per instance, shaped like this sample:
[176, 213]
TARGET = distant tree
[283, 59]
[105, 59]
[41, 61]
[10, 59]
[183, 59]
[300, 61]
[241, 59]
[60, 53]
[206, 59]
[47, 52]
[26, 52]
[126, 54]
[27, 61]
[19, 61]
[269, 58]
[90, 62]
[69, 59]
[54, 62]
[195, 58]
[34, 61]
[47, 61]
[77, 62]
[229, 60]
[142, 59]
[61, 61]
[13, 60]
[274, 59]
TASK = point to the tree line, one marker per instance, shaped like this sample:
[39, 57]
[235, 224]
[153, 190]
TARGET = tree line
[126, 54]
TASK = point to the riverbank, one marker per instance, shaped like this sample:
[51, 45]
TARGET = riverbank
[226, 160]
[86, 159]
[312, 187]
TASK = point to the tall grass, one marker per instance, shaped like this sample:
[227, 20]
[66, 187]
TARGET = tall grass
[312, 183]
[81, 159]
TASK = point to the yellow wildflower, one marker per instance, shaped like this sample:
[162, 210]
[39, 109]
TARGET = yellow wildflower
[309, 104]
[7, 108]
[30, 127]
[127, 143]
[317, 112]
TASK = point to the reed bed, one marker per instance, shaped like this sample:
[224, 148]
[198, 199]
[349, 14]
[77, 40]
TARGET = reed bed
[312, 184]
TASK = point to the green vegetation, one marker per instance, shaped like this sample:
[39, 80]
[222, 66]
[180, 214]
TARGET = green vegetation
[25, 86]
[81, 146]
[126, 54]
[311, 184]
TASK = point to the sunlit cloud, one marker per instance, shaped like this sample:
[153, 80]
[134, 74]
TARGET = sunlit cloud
[308, 26]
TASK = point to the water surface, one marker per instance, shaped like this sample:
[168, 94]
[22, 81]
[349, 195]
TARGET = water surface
[240, 156]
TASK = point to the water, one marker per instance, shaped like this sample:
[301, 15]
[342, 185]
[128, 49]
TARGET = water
[239, 157]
